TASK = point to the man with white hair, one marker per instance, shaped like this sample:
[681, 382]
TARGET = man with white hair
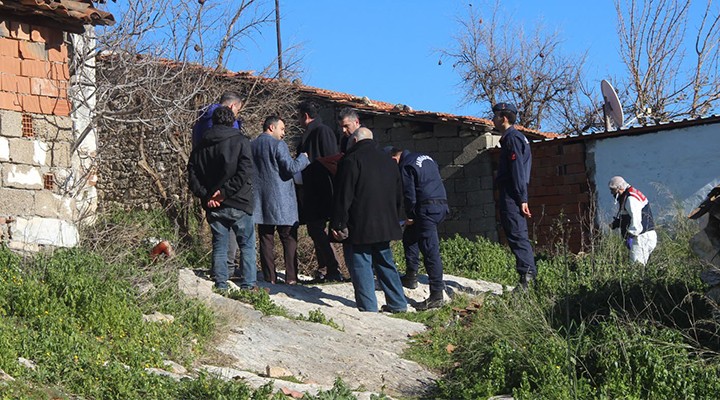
[634, 218]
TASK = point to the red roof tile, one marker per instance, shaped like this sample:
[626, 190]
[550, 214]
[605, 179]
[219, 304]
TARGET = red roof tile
[373, 106]
[73, 14]
[364, 104]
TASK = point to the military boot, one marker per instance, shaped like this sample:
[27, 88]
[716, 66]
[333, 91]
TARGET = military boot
[409, 280]
[434, 301]
[526, 280]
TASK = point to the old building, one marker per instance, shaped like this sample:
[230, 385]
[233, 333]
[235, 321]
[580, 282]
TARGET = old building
[674, 164]
[46, 154]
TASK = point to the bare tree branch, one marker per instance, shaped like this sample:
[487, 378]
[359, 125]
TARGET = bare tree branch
[497, 62]
[652, 46]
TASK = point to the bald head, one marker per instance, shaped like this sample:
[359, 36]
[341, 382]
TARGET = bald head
[361, 133]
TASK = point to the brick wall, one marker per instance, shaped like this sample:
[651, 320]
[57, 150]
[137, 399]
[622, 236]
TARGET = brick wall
[34, 72]
[560, 195]
[38, 175]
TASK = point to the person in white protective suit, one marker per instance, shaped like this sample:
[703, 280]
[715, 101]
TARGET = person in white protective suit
[635, 220]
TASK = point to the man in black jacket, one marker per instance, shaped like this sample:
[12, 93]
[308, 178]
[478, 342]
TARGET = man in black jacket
[367, 204]
[220, 172]
[318, 141]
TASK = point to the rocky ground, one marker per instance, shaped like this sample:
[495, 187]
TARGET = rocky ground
[366, 353]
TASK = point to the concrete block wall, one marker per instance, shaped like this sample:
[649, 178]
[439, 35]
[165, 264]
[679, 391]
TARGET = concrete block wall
[465, 166]
[37, 171]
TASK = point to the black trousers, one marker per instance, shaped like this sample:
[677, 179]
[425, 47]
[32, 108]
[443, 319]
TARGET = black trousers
[327, 263]
[516, 230]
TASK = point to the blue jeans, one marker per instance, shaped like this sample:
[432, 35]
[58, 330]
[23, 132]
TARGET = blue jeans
[223, 221]
[377, 257]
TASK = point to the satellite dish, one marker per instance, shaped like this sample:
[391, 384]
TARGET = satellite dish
[612, 109]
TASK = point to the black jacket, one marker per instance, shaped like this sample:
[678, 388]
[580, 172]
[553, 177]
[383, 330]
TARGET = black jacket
[368, 196]
[318, 141]
[223, 161]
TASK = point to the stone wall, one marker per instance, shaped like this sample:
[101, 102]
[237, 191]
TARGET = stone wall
[40, 173]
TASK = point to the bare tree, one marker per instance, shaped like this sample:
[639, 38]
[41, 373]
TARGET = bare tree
[663, 82]
[498, 61]
[153, 72]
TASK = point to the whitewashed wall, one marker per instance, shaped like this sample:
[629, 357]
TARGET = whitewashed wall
[673, 167]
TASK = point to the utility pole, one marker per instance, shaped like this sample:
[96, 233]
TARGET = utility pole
[279, 41]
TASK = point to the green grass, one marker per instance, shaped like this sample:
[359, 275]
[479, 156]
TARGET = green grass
[594, 326]
[77, 314]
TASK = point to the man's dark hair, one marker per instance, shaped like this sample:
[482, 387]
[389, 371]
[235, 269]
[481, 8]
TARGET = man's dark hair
[230, 97]
[310, 108]
[223, 116]
[394, 151]
[269, 121]
[511, 116]
[348, 112]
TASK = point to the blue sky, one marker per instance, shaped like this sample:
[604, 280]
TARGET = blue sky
[387, 50]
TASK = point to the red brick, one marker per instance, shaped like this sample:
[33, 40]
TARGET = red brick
[9, 47]
[574, 178]
[576, 168]
[47, 104]
[14, 83]
[60, 71]
[573, 158]
[58, 53]
[10, 101]
[33, 51]
[574, 148]
[19, 30]
[23, 85]
[36, 68]
[47, 87]
[53, 37]
[8, 83]
[10, 65]
[62, 107]
[41, 34]
[30, 104]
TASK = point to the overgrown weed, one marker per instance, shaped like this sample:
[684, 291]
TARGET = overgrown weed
[593, 326]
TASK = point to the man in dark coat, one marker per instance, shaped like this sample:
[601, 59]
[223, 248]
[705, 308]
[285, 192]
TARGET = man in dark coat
[426, 207]
[318, 141]
[220, 172]
[513, 178]
[233, 101]
[367, 205]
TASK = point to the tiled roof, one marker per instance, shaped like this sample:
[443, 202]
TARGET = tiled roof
[73, 14]
[367, 105]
